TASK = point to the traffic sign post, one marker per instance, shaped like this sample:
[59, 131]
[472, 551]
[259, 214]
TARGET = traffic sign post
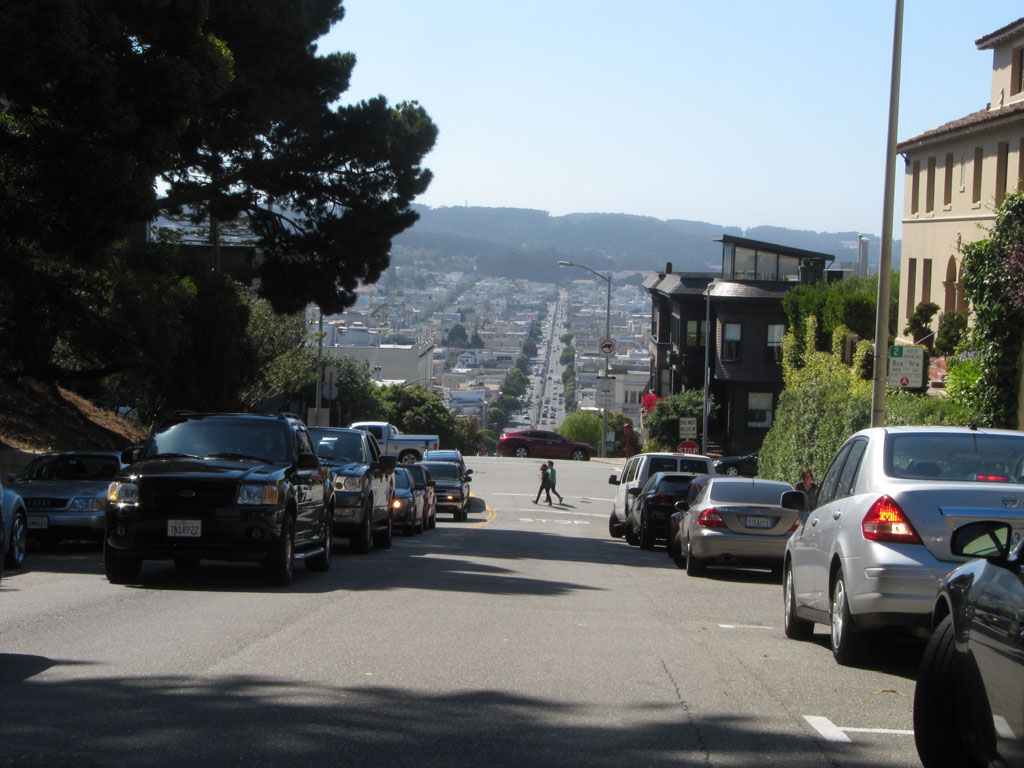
[906, 366]
[688, 446]
[687, 427]
[604, 392]
[607, 346]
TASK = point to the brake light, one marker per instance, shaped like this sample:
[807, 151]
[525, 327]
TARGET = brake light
[659, 498]
[992, 478]
[709, 518]
[885, 521]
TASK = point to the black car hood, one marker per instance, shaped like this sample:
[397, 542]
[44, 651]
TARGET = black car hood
[252, 470]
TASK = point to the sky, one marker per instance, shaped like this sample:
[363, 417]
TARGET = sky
[734, 112]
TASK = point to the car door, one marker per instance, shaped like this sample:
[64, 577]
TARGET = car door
[619, 504]
[309, 490]
[809, 548]
[380, 484]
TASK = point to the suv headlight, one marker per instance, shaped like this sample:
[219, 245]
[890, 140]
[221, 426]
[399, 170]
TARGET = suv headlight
[87, 505]
[347, 483]
[257, 494]
[122, 493]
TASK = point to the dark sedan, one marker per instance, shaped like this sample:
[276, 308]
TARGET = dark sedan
[451, 487]
[968, 707]
[408, 505]
[542, 444]
[738, 465]
[654, 504]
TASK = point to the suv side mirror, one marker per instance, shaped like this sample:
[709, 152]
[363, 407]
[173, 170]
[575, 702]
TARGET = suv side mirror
[387, 463]
[681, 506]
[131, 454]
[634, 491]
[613, 479]
[308, 461]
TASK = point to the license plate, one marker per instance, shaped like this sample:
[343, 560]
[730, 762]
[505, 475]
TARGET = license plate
[758, 521]
[37, 521]
[184, 528]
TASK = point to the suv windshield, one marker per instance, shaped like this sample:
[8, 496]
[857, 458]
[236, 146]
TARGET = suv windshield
[339, 446]
[244, 438]
[71, 467]
[963, 456]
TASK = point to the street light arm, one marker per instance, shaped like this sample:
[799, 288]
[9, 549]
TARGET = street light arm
[606, 278]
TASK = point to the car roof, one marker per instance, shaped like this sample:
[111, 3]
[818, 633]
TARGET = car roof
[340, 430]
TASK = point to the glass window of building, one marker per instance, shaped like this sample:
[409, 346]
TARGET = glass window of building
[759, 409]
[767, 265]
[693, 327]
[731, 341]
[745, 264]
[789, 268]
[775, 333]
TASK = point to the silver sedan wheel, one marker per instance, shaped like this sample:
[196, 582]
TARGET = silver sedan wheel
[838, 613]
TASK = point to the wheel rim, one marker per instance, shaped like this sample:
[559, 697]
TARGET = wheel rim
[289, 551]
[18, 536]
[788, 599]
[522, 453]
[329, 538]
[838, 611]
[732, 471]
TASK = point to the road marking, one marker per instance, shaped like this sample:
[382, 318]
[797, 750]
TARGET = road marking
[492, 515]
[834, 733]
[558, 522]
[743, 626]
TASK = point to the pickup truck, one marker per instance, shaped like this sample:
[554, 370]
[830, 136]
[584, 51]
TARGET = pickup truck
[407, 448]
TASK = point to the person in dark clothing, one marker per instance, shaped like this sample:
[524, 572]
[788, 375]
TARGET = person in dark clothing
[553, 480]
[808, 486]
[545, 484]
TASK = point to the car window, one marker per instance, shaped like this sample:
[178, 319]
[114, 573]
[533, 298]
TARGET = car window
[630, 472]
[963, 456]
[828, 485]
[697, 466]
[402, 478]
[305, 444]
[68, 467]
[339, 446]
[210, 437]
[748, 493]
[445, 471]
[674, 486]
[662, 464]
[851, 467]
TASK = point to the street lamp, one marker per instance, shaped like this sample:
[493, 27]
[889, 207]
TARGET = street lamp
[607, 335]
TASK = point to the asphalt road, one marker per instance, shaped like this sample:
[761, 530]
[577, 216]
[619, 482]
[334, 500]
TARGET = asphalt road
[524, 636]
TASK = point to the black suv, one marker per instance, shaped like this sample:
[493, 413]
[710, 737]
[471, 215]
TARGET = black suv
[239, 487]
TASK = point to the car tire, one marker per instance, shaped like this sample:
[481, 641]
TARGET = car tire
[521, 452]
[362, 541]
[433, 520]
[794, 627]
[629, 532]
[408, 457]
[694, 567]
[120, 569]
[936, 722]
[675, 551]
[646, 536]
[847, 643]
[322, 561]
[579, 454]
[418, 529]
[384, 539]
[279, 567]
[18, 545]
[614, 526]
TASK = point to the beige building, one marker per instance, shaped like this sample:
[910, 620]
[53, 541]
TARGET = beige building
[956, 176]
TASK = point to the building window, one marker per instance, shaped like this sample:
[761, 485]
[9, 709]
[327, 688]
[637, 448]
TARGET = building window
[1020, 167]
[947, 183]
[789, 269]
[929, 187]
[767, 266]
[745, 264]
[728, 254]
[775, 334]
[1002, 160]
[979, 156]
[911, 282]
[926, 279]
[692, 329]
[915, 186]
[1017, 72]
[759, 409]
[731, 341]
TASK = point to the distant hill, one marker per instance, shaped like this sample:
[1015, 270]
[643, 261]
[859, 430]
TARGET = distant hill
[519, 242]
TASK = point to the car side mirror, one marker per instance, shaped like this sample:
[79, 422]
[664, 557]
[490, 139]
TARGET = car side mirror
[681, 506]
[131, 454]
[387, 463]
[469, 472]
[432, 483]
[308, 461]
[613, 479]
[985, 538]
[634, 491]
[793, 500]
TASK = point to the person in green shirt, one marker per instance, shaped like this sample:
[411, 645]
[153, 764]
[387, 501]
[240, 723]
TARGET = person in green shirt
[552, 477]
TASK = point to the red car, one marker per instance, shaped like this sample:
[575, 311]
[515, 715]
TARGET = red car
[542, 444]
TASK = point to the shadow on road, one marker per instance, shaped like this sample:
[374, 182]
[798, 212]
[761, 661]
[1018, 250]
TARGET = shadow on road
[259, 721]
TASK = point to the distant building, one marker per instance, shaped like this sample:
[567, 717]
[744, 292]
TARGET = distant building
[956, 176]
[739, 313]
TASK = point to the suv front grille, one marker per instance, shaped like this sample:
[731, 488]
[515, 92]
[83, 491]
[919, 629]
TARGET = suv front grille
[179, 496]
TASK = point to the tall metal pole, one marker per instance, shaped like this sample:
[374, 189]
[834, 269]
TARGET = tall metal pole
[707, 367]
[607, 335]
[885, 258]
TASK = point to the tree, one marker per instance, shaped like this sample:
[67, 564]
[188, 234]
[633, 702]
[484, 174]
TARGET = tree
[230, 105]
[530, 347]
[358, 397]
[663, 424]
[457, 337]
[952, 331]
[418, 410]
[567, 356]
[285, 361]
[583, 427]
[475, 342]
[918, 323]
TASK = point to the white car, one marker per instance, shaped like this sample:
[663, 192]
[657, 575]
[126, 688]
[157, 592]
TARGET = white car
[636, 472]
[872, 551]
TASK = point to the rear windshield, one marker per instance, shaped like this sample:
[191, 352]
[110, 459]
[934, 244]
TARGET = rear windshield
[401, 478]
[693, 465]
[748, 493]
[674, 486]
[444, 471]
[967, 456]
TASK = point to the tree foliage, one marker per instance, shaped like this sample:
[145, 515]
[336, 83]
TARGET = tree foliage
[662, 424]
[417, 410]
[850, 303]
[583, 427]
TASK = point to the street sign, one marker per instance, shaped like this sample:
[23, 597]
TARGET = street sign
[906, 366]
[607, 346]
[604, 393]
[687, 446]
[687, 427]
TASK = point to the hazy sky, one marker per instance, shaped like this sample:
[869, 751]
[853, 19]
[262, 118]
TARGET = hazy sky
[732, 112]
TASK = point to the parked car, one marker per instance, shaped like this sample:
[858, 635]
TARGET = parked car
[872, 552]
[737, 465]
[673, 548]
[636, 472]
[654, 504]
[425, 483]
[408, 449]
[236, 487]
[542, 444]
[66, 493]
[13, 529]
[408, 504]
[363, 481]
[451, 487]
[968, 708]
[738, 521]
[447, 454]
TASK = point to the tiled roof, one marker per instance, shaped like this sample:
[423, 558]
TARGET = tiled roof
[985, 117]
[992, 39]
[759, 289]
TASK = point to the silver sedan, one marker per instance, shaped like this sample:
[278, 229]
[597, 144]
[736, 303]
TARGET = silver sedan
[738, 521]
[871, 553]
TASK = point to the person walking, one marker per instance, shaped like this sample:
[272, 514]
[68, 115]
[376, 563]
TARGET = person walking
[553, 479]
[545, 484]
